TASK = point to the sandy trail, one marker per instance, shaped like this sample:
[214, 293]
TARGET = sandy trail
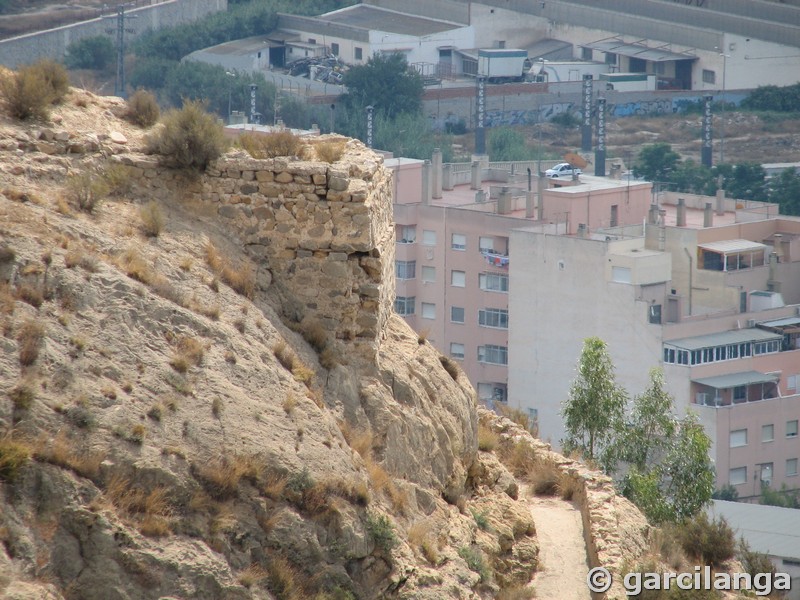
[562, 550]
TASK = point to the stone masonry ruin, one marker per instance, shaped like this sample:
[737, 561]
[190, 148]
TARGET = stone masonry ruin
[324, 231]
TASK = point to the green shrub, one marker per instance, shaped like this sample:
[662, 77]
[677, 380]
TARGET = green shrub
[26, 95]
[566, 120]
[13, 456]
[712, 542]
[96, 52]
[271, 145]
[56, 78]
[191, 138]
[382, 533]
[87, 190]
[143, 109]
[474, 559]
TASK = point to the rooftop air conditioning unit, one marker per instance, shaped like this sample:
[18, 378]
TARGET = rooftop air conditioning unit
[751, 322]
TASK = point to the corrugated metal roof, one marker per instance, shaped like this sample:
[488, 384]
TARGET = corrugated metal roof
[769, 529]
[782, 322]
[242, 47]
[379, 19]
[731, 246]
[722, 382]
[736, 336]
[638, 51]
[550, 49]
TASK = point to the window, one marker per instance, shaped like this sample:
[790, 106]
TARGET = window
[429, 274]
[709, 76]
[659, 68]
[740, 394]
[767, 433]
[404, 305]
[737, 476]
[586, 54]
[766, 347]
[614, 215]
[493, 282]
[458, 278]
[457, 314]
[492, 391]
[335, 49]
[428, 237]
[428, 310]
[456, 350]
[405, 269]
[792, 381]
[791, 429]
[791, 467]
[493, 317]
[312, 40]
[458, 242]
[358, 53]
[654, 315]
[497, 355]
[766, 473]
[738, 438]
[621, 274]
[486, 244]
[407, 234]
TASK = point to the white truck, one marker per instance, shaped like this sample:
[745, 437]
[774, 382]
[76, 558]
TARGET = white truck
[501, 65]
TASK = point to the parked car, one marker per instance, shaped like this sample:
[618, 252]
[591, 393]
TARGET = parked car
[562, 170]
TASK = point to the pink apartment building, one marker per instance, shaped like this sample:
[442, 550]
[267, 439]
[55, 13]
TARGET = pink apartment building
[510, 287]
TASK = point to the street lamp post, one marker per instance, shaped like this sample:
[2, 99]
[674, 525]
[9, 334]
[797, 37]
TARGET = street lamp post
[722, 109]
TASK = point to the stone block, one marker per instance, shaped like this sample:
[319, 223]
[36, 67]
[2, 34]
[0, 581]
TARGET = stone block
[284, 177]
[228, 211]
[265, 176]
[339, 256]
[248, 188]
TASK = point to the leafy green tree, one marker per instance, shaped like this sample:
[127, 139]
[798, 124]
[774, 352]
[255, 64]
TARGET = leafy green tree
[785, 191]
[656, 162]
[95, 52]
[387, 83]
[772, 97]
[694, 178]
[746, 182]
[650, 428]
[726, 492]
[507, 144]
[687, 470]
[596, 404]
[784, 497]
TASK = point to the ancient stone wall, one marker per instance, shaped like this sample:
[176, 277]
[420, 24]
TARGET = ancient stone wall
[325, 231]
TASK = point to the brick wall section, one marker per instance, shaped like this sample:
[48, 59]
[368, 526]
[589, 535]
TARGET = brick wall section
[324, 231]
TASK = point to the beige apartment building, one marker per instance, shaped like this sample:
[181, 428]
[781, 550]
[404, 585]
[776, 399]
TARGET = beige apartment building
[706, 288]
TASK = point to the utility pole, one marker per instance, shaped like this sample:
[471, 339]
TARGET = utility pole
[120, 30]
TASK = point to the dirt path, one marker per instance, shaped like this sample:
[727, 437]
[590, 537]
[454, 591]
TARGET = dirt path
[562, 550]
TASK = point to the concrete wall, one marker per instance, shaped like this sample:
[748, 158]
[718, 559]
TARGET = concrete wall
[53, 42]
[325, 232]
[557, 301]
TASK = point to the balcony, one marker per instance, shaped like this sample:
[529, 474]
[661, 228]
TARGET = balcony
[736, 388]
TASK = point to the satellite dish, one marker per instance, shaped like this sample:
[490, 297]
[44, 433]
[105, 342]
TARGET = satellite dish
[575, 160]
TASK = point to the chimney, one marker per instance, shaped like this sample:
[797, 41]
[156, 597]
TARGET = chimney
[681, 212]
[437, 173]
[447, 177]
[720, 201]
[476, 175]
[426, 182]
[582, 230]
[652, 214]
[505, 204]
[539, 198]
[708, 216]
[529, 205]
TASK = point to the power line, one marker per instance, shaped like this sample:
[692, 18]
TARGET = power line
[120, 30]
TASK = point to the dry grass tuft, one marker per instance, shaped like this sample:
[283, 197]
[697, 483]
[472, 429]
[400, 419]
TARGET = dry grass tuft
[22, 395]
[14, 455]
[189, 351]
[283, 580]
[519, 417]
[29, 338]
[271, 145]
[421, 536]
[152, 219]
[487, 438]
[329, 152]
[136, 267]
[289, 403]
[285, 355]
[64, 452]
[516, 593]
[251, 576]
[30, 294]
[6, 300]
[241, 279]
[221, 477]
[450, 366]
[87, 190]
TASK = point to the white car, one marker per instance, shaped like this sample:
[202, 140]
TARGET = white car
[562, 170]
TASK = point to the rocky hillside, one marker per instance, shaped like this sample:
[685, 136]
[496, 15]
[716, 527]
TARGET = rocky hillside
[204, 392]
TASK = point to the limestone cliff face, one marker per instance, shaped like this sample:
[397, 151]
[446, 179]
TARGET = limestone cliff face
[185, 440]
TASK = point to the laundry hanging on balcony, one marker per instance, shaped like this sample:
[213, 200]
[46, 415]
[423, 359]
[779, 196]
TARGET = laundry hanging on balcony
[496, 260]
